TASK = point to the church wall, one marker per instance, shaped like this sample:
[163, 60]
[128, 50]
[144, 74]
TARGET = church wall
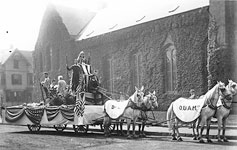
[188, 33]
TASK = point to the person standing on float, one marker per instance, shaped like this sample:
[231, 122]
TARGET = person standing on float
[76, 73]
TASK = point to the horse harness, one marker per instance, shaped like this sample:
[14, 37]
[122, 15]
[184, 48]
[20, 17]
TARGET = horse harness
[224, 104]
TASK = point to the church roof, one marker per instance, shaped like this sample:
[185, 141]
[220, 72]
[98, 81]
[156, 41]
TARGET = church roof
[120, 15]
[75, 19]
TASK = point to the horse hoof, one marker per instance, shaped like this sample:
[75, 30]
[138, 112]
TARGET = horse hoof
[142, 135]
[209, 141]
[129, 137]
[135, 136]
[219, 140]
[194, 138]
[225, 140]
[122, 134]
[179, 139]
[174, 138]
[201, 141]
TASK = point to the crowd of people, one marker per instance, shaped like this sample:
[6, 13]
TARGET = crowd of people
[80, 77]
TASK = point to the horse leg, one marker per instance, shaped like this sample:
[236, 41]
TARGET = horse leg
[173, 134]
[139, 129]
[197, 128]
[201, 131]
[219, 129]
[106, 123]
[223, 130]
[143, 127]
[208, 129]
[178, 134]
[194, 127]
[117, 126]
[133, 129]
[128, 128]
[121, 127]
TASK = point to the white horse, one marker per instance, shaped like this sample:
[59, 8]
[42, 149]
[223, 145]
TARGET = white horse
[211, 98]
[149, 103]
[131, 112]
[223, 110]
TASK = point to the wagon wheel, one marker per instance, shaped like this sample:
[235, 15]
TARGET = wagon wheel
[34, 127]
[111, 127]
[60, 128]
[80, 128]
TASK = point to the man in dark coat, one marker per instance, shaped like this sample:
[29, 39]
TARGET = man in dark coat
[76, 75]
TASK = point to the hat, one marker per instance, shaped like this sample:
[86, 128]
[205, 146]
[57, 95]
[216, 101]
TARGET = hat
[60, 77]
[46, 73]
[78, 58]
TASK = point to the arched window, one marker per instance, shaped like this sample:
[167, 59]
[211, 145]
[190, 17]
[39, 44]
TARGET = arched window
[138, 73]
[171, 68]
[170, 65]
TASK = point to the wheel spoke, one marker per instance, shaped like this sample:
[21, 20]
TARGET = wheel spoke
[60, 127]
[80, 128]
[34, 127]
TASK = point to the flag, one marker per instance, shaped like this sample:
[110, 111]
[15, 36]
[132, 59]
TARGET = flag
[80, 104]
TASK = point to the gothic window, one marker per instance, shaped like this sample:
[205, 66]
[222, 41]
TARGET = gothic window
[138, 73]
[170, 65]
[171, 69]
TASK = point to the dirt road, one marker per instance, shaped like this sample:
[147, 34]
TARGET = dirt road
[19, 138]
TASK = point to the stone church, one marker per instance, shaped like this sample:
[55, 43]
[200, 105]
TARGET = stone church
[189, 46]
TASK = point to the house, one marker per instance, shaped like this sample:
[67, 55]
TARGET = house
[171, 48]
[16, 77]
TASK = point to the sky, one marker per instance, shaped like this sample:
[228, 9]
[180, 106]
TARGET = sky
[20, 20]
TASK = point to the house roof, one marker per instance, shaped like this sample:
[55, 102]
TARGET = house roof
[122, 15]
[28, 56]
[6, 54]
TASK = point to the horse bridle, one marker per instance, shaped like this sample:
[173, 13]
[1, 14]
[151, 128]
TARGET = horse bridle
[230, 101]
[209, 103]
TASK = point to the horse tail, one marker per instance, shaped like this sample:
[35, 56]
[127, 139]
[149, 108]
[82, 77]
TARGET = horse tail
[169, 116]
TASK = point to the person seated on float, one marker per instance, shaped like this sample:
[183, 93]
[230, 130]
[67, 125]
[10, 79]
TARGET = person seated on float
[53, 88]
[93, 81]
[46, 84]
[62, 86]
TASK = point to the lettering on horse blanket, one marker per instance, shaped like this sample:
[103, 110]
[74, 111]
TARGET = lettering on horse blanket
[115, 108]
[187, 110]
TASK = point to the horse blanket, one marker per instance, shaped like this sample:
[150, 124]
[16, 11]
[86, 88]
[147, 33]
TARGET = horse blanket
[187, 110]
[115, 108]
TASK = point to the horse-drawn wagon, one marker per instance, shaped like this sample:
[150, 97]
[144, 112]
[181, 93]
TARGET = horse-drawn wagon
[37, 115]
[79, 109]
